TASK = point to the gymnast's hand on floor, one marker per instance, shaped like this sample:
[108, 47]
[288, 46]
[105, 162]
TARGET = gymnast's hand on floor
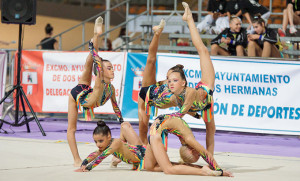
[81, 169]
[227, 174]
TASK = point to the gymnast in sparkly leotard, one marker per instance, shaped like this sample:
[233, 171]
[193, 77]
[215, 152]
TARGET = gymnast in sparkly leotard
[87, 98]
[200, 98]
[173, 123]
[119, 147]
[153, 94]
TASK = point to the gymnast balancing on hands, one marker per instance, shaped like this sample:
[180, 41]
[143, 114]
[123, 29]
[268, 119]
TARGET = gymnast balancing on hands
[87, 97]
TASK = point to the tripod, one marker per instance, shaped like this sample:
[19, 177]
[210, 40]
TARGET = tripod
[20, 95]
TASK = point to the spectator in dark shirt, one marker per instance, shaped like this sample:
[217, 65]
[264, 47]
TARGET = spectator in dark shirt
[234, 37]
[290, 15]
[51, 44]
[232, 8]
[252, 7]
[265, 42]
[216, 9]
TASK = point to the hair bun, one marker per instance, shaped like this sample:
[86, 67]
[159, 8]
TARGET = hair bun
[257, 16]
[180, 66]
[101, 123]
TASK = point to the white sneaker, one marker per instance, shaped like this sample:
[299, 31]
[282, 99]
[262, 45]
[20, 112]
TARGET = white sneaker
[293, 30]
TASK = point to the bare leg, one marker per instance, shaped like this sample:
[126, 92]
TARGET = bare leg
[210, 136]
[86, 76]
[149, 76]
[72, 127]
[296, 19]
[98, 87]
[290, 13]
[240, 50]
[253, 49]
[150, 161]
[167, 167]
[128, 134]
[207, 68]
[217, 50]
[267, 50]
[188, 137]
[270, 50]
[285, 20]
[149, 79]
[143, 121]
[72, 107]
[274, 51]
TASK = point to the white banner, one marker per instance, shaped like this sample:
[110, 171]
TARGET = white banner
[250, 95]
[3, 64]
[62, 71]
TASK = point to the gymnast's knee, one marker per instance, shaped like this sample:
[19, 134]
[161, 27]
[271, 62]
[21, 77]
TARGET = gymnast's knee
[126, 125]
[155, 138]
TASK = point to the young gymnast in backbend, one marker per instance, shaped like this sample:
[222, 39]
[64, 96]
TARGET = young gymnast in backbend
[153, 93]
[84, 96]
[134, 153]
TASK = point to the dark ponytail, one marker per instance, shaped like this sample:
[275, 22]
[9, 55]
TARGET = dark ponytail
[102, 128]
[258, 19]
[48, 29]
[179, 68]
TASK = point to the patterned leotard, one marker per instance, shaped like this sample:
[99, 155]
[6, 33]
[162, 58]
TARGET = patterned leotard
[159, 96]
[95, 158]
[108, 93]
[195, 100]
[165, 124]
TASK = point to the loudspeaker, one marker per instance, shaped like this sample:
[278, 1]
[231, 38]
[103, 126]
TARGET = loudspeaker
[18, 11]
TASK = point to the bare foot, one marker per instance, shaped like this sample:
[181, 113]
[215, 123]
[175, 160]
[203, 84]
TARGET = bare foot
[114, 162]
[187, 12]
[159, 28]
[77, 163]
[98, 25]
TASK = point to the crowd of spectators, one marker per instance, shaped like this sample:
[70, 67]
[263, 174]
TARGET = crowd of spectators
[225, 19]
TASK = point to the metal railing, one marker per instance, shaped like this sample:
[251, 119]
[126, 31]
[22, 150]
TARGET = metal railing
[145, 35]
[116, 27]
[107, 24]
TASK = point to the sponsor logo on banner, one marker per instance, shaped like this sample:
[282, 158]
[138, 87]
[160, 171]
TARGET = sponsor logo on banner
[137, 83]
